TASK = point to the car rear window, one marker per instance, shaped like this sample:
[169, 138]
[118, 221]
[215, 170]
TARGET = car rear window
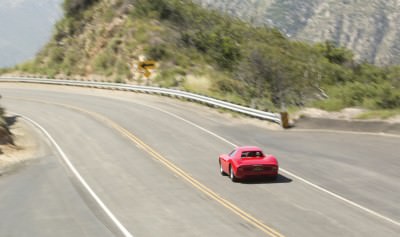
[251, 154]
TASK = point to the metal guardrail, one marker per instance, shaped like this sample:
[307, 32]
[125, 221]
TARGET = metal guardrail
[273, 117]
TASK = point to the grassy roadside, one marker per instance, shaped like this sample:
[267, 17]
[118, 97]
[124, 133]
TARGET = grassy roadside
[379, 114]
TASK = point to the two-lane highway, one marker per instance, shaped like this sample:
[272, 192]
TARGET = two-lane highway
[153, 162]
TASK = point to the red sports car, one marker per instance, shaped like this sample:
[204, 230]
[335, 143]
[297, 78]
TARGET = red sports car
[248, 161]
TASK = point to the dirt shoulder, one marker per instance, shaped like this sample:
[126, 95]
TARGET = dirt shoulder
[344, 114]
[344, 121]
[25, 146]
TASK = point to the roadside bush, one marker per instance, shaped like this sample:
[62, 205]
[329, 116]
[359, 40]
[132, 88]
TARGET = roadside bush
[57, 55]
[353, 94]
[4, 70]
[104, 62]
[168, 78]
[73, 7]
[334, 104]
[158, 52]
[389, 98]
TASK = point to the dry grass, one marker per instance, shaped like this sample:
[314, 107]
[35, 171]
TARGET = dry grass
[379, 114]
[199, 84]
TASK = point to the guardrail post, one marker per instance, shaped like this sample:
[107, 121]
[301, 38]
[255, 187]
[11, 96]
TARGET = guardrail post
[285, 120]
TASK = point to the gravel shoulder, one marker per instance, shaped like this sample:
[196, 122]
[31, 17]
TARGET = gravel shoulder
[344, 114]
[344, 121]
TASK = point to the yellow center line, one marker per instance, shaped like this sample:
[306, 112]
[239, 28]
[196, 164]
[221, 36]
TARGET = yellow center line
[244, 215]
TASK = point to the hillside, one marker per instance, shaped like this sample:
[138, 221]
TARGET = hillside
[369, 28]
[205, 52]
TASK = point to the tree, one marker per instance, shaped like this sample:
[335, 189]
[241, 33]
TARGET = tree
[337, 55]
[73, 7]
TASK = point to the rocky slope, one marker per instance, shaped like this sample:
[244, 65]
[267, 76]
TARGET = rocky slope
[367, 27]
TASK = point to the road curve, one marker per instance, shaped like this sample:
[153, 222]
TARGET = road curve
[151, 199]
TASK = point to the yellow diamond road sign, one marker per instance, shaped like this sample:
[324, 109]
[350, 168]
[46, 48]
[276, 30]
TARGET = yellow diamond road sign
[145, 66]
[147, 73]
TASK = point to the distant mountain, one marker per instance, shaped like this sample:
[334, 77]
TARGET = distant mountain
[370, 28]
[25, 27]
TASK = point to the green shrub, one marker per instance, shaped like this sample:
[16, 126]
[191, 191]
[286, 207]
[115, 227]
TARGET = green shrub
[122, 68]
[104, 62]
[5, 70]
[334, 104]
[389, 97]
[168, 78]
[379, 114]
[158, 52]
[74, 7]
[57, 55]
[119, 79]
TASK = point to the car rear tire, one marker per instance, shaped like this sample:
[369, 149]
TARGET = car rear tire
[232, 174]
[221, 170]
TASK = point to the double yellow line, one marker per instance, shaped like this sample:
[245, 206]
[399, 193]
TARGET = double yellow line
[249, 218]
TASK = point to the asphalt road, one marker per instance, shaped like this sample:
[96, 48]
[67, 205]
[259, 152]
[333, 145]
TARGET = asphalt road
[153, 162]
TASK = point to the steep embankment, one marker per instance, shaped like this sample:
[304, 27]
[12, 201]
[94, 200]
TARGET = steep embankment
[369, 28]
[206, 52]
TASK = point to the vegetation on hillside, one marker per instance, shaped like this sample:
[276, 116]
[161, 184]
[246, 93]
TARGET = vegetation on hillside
[205, 52]
[368, 27]
[5, 135]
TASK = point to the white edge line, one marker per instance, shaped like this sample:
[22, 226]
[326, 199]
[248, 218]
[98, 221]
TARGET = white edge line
[123, 230]
[376, 214]
[342, 198]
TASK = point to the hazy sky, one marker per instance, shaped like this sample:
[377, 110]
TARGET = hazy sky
[25, 27]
